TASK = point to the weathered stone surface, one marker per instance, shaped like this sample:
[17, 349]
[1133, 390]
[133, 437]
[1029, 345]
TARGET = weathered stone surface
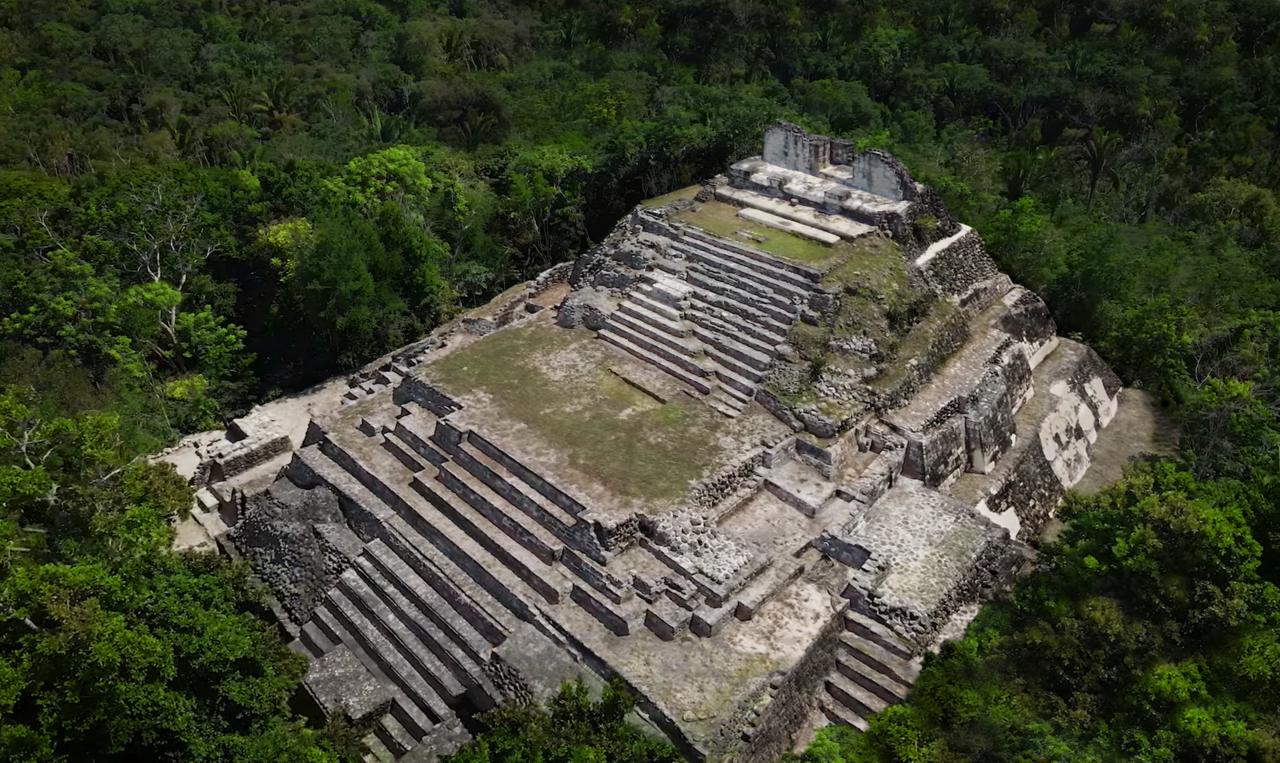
[589, 308]
[342, 686]
[298, 542]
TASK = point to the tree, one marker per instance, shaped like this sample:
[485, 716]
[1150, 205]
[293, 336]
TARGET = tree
[571, 728]
[1100, 151]
[113, 646]
[348, 314]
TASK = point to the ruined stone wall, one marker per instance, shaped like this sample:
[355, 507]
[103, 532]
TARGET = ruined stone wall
[939, 455]
[949, 337]
[724, 483]
[240, 457]
[418, 391]
[957, 268]
[993, 567]
[877, 172]
[796, 697]
[297, 544]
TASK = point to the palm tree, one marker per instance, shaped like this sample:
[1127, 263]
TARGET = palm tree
[1100, 151]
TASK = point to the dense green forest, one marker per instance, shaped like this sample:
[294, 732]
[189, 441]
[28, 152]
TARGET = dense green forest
[204, 203]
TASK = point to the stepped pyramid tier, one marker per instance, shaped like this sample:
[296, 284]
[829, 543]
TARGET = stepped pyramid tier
[753, 455]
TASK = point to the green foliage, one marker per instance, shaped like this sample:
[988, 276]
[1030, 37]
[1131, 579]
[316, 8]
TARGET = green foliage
[112, 646]
[572, 728]
[198, 205]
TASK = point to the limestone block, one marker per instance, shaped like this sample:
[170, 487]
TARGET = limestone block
[342, 686]
[589, 307]
[709, 621]
[988, 422]
[937, 455]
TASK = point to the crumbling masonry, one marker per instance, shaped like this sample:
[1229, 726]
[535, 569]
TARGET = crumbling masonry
[856, 423]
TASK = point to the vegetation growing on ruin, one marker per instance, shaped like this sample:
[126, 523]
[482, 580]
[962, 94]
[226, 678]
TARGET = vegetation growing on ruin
[205, 204]
[679, 194]
[558, 384]
[113, 646]
[721, 219]
[572, 728]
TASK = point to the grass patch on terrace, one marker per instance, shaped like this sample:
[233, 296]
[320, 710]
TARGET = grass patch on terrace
[721, 219]
[687, 192]
[557, 382]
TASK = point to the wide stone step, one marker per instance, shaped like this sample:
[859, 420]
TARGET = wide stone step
[413, 543]
[687, 356]
[396, 627]
[671, 327]
[657, 361]
[469, 532]
[877, 632]
[853, 696]
[394, 736]
[869, 678]
[407, 674]
[444, 644]
[681, 344]
[377, 751]
[491, 599]
[642, 298]
[771, 220]
[735, 383]
[510, 520]
[766, 586]
[724, 404]
[877, 658]
[610, 615]
[415, 432]
[415, 720]
[426, 519]
[313, 640]
[726, 286]
[808, 275]
[743, 353]
[774, 269]
[746, 313]
[734, 366]
[763, 296]
[470, 630]
[838, 713]
[501, 479]
[717, 320]
[773, 281]
[401, 452]
[572, 506]
[837, 224]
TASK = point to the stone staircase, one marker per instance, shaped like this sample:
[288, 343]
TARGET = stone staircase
[874, 669]
[713, 316]
[467, 544]
[381, 379]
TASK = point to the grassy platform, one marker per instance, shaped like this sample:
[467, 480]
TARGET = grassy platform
[557, 383]
[721, 219]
